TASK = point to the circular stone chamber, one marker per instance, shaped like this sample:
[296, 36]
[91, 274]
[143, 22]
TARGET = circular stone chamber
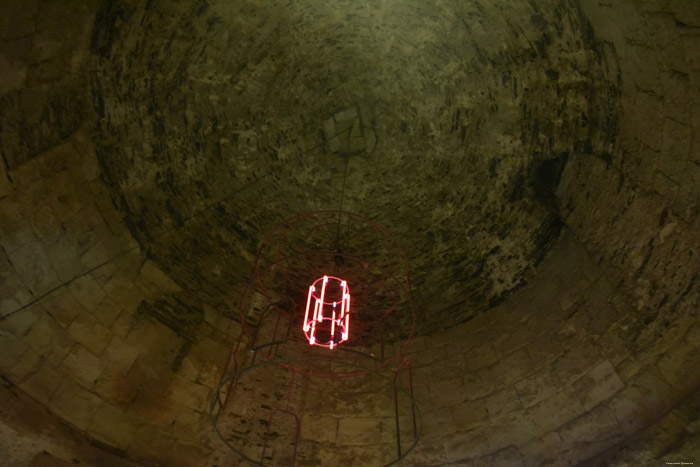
[535, 170]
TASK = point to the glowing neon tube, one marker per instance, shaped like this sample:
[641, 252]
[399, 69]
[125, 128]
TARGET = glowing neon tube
[315, 310]
[308, 304]
[342, 306]
[333, 324]
[312, 339]
[347, 319]
[323, 293]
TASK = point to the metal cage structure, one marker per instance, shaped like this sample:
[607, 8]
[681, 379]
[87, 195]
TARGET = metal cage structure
[272, 358]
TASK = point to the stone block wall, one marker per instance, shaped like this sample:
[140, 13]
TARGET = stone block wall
[674, 438]
[551, 377]
[657, 45]
[637, 212]
[598, 348]
[560, 372]
[613, 329]
[86, 326]
[43, 87]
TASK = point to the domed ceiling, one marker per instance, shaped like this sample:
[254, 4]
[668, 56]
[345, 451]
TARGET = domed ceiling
[444, 121]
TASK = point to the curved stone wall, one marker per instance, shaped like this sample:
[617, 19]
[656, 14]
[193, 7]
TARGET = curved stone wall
[216, 122]
[593, 361]
[556, 379]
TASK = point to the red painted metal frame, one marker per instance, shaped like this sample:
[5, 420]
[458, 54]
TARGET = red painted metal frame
[286, 226]
[268, 349]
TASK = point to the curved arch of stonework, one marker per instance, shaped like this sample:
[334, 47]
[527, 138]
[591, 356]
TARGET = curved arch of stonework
[538, 162]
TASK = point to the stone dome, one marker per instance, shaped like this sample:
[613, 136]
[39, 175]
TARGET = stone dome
[534, 163]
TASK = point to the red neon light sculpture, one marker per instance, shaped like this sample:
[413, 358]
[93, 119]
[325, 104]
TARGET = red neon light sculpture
[325, 320]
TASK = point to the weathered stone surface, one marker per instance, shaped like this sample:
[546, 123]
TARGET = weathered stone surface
[32, 264]
[107, 311]
[538, 387]
[189, 424]
[545, 450]
[492, 438]
[119, 354]
[151, 401]
[507, 457]
[358, 431]
[319, 429]
[598, 425]
[186, 455]
[74, 403]
[188, 394]
[87, 291]
[154, 281]
[592, 432]
[83, 365]
[25, 366]
[13, 348]
[343, 121]
[63, 307]
[438, 423]
[480, 357]
[670, 439]
[476, 386]
[685, 354]
[576, 361]
[48, 338]
[470, 414]
[43, 383]
[536, 161]
[642, 400]
[148, 443]
[472, 444]
[556, 410]
[428, 454]
[86, 330]
[112, 426]
[509, 368]
[22, 415]
[18, 324]
[598, 385]
[502, 403]
[443, 368]
[448, 391]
